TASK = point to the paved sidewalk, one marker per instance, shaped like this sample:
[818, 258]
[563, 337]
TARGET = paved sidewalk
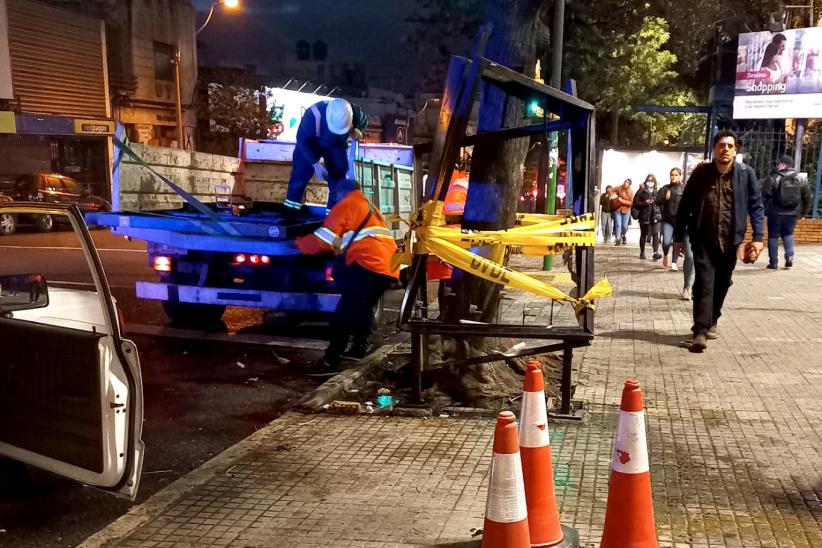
[735, 439]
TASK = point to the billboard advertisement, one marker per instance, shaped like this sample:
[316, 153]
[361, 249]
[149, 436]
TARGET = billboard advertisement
[287, 108]
[779, 74]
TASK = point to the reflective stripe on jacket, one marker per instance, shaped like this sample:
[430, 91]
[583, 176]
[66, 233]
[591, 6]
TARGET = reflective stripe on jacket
[373, 247]
[457, 194]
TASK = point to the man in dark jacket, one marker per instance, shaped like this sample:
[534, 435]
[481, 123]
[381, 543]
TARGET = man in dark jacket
[787, 199]
[713, 212]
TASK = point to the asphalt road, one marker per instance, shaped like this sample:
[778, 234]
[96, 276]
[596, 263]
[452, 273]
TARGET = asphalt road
[201, 397]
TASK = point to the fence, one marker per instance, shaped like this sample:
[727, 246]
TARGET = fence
[766, 140]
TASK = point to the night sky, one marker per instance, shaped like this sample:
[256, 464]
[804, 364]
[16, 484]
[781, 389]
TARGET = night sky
[365, 31]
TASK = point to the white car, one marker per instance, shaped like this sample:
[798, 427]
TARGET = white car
[71, 396]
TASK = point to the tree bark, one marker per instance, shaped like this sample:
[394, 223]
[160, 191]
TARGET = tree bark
[496, 169]
[614, 127]
[495, 186]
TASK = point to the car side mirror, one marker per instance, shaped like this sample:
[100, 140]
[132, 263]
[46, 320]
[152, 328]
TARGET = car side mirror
[23, 292]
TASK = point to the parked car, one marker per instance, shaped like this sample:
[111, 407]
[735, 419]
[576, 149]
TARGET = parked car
[51, 188]
[8, 221]
[71, 396]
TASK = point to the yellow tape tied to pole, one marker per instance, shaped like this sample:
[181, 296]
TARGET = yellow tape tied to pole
[536, 235]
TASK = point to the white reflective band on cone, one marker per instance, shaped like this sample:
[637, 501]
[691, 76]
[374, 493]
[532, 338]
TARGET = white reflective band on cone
[506, 491]
[534, 415]
[631, 448]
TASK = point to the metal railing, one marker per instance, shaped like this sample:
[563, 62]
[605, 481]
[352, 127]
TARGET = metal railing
[763, 142]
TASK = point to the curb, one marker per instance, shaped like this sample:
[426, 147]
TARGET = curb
[336, 387]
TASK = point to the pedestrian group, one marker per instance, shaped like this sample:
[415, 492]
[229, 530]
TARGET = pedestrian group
[706, 221]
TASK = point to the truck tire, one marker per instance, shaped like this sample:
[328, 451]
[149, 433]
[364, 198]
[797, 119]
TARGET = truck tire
[8, 224]
[379, 312]
[193, 314]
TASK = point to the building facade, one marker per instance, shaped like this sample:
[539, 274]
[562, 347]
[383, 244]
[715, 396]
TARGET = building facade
[70, 70]
[55, 113]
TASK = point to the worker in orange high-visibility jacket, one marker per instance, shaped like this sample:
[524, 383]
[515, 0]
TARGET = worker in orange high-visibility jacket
[356, 232]
[453, 209]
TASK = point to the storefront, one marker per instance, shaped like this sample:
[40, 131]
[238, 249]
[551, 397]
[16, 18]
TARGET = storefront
[76, 147]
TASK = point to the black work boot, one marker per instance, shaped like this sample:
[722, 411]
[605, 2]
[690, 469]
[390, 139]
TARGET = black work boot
[360, 348]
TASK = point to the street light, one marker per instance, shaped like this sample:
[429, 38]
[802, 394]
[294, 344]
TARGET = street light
[229, 4]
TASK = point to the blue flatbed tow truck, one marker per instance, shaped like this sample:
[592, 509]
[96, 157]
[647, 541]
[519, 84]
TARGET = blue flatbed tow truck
[210, 256]
[248, 260]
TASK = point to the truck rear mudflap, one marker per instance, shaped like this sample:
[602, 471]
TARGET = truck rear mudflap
[272, 300]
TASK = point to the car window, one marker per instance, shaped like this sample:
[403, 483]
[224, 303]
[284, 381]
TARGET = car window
[53, 183]
[70, 185]
[73, 301]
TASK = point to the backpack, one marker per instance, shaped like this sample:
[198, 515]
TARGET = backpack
[789, 191]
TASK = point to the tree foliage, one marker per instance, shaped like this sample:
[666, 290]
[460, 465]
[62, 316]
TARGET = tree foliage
[684, 129]
[628, 70]
[698, 23]
[622, 53]
[236, 108]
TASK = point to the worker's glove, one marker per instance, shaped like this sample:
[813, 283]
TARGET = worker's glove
[319, 172]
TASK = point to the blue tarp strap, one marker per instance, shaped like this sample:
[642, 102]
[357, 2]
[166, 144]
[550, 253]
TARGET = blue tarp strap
[226, 228]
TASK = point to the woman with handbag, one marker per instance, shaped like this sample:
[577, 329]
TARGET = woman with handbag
[622, 211]
[646, 211]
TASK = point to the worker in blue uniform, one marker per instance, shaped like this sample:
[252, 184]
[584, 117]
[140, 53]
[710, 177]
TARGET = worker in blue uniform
[324, 132]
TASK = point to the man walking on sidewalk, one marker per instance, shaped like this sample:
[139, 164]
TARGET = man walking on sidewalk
[787, 199]
[713, 213]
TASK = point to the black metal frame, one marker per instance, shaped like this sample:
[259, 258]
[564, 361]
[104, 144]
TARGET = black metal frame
[570, 113]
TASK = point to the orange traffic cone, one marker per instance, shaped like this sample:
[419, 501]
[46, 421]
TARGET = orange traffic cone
[506, 517]
[537, 467]
[629, 517]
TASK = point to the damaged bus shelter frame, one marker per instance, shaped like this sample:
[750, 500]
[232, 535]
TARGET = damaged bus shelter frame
[562, 112]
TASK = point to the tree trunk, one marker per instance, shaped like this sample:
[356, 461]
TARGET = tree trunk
[614, 127]
[496, 169]
[495, 186]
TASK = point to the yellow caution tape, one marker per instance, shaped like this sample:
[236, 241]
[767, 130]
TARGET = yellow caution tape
[535, 235]
[497, 273]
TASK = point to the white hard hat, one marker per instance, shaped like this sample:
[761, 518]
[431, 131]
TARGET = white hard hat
[339, 116]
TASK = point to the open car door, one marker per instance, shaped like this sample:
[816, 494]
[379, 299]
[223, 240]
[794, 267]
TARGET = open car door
[71, 399]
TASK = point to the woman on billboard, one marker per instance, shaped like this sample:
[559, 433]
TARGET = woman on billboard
[770, 63]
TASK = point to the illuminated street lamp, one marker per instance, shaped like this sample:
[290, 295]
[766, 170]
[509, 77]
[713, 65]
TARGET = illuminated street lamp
[229, 4]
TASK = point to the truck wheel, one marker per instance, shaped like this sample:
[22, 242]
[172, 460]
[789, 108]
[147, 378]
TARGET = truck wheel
[8, 224]
[44, 223]
[193, 314]
[379, 312]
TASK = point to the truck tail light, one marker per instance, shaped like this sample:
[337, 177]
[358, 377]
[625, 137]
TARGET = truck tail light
[241, 258]
[162, 263]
